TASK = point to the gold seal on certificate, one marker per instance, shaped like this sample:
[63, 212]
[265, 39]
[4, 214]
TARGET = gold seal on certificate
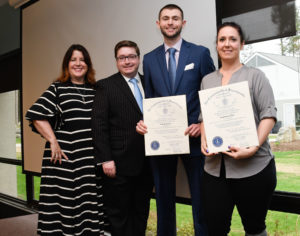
[228, 117]
[166, 120]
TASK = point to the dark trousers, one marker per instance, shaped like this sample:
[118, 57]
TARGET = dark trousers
[251, 195]
[164, 173]
[127, 202]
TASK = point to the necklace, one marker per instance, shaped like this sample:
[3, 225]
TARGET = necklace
[81, 94]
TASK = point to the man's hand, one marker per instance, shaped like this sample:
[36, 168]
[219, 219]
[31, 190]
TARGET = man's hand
[141, 128]
[109, 168]
[193, 130]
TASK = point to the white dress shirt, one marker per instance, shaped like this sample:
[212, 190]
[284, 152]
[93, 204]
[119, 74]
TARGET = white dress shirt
[139, 83]
[177, 46]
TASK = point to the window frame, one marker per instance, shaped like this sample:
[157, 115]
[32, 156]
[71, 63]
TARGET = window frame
[282, 201]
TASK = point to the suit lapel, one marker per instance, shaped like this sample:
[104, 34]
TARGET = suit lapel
[183, 56]
[161, 57]
[142, 80]
[124, 88]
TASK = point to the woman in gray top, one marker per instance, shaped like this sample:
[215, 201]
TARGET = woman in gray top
[242, 177]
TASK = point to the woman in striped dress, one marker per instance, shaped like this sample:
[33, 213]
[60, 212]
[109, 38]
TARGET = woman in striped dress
[70, 193]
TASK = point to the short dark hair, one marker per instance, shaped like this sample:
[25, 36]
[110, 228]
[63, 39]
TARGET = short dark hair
[126, 43]
[65, 75]
[233, 25]
[170, 7]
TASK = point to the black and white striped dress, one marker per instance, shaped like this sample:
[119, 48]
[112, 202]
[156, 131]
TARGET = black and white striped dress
[70, 193]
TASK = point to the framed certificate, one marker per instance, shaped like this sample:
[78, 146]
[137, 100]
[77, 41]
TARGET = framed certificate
[166, 120]
[228, 117]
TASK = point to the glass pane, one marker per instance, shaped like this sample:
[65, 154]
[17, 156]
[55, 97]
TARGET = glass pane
[10, 135]
[37, 182]
[278, 223]
[261, 19]
[263, 62]
[12, 182]
[297, 117]
[280, 60]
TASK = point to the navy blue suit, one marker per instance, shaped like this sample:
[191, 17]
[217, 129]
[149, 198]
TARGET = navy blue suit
[193, 64]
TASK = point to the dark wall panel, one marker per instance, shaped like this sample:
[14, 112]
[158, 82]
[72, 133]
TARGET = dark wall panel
[260, 19]
[10, 67]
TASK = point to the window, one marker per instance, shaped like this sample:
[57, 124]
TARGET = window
[297, 117]
[258, 61]
[13, 181]
[269, 26]
[279, 60]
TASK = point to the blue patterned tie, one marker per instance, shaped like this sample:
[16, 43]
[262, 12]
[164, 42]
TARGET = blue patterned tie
[137, 93]
[172, 66]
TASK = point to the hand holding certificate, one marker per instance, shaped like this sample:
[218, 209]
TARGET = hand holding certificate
[228, 117]
[166, 120]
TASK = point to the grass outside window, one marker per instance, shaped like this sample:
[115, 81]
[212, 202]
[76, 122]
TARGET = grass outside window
[278, 223]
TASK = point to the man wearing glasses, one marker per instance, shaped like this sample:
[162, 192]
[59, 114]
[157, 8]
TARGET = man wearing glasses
[127, 181]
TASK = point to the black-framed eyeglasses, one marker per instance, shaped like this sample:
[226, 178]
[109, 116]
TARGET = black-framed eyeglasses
[129, 57]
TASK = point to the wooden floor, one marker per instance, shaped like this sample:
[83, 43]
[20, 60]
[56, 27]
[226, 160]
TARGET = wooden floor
[19, 226]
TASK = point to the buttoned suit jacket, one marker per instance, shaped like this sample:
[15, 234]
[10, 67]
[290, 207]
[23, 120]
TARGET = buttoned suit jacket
[114, 118]
[193, 64]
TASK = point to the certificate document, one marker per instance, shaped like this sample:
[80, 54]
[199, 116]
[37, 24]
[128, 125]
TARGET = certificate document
[166, 121]
[228, 117]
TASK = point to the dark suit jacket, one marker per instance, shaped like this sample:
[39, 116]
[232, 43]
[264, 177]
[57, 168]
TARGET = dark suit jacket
[114, 117]
[193, 64]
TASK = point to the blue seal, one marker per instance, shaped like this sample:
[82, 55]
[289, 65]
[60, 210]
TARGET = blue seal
[217, 141]
[155, 145]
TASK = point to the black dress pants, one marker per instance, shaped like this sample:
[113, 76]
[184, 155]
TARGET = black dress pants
[252, 196]
[127, 202]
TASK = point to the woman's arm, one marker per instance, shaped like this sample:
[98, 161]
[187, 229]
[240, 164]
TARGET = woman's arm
[45, 129]
[264, 128]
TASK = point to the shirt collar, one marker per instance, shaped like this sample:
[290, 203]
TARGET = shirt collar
[137, 76]
[177, 45]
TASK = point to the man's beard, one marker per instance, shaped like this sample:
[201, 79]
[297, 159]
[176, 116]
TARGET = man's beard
[175, 35]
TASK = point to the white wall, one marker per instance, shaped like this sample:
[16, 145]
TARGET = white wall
[284, 81]
[51, 26]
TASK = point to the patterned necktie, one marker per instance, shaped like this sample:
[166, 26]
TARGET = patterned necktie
[137, 93]
[172, 66]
